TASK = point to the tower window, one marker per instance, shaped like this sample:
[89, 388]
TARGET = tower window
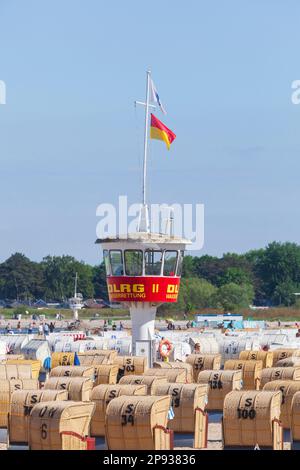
[179, 264]
[170, 260]
[133, 262]
[153, 262]
[116, 262]
[106, 262]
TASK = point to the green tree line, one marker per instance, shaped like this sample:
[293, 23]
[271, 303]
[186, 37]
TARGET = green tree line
[267, 276]
[51, 279]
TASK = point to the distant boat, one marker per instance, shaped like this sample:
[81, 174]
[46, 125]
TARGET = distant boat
[76, 302]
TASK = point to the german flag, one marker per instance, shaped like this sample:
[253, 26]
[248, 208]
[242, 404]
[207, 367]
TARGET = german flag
[159, 131]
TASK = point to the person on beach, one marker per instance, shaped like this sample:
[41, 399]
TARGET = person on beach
[41, 330]
[46, 329]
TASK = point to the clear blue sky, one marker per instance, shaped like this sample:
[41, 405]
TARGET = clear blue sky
[70, 138]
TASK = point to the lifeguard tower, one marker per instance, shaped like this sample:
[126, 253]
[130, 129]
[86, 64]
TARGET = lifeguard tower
[143, 269]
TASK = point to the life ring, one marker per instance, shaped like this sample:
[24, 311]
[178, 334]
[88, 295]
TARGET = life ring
[165, 348]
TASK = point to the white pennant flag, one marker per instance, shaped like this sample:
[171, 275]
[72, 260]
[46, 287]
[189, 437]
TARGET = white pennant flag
[155, 97]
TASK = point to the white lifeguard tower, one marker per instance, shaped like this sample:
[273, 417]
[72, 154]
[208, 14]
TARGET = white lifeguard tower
[143, 269]
[76, 302]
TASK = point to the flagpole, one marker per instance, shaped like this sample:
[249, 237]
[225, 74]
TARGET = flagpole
[143, 225]
[144, 222]
[146, 138]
